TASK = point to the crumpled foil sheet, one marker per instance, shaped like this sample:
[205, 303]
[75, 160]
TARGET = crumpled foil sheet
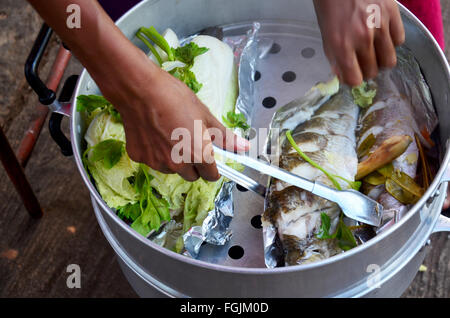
[215, 228]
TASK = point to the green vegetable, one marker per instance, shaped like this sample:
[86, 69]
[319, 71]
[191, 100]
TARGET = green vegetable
[324, 232]
[113, 184]
[401, 186]
[399, 193]
[343, 234]
[158, 39]
[366, 145]
[187, 77]
[355, 185]
[312, 163]
[187, 53]
[363, 95]
[234, 120]
[375, 178]
[131, 211]
[152, 210]
[140, 36]
[92, 103]
[89, 103]
[109, 151]
[138, 193]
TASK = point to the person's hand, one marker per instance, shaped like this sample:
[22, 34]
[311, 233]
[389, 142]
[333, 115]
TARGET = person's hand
[355, 50]
[152, 104]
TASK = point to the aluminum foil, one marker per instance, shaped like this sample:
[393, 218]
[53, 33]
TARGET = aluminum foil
[245, 50]
[215, 228]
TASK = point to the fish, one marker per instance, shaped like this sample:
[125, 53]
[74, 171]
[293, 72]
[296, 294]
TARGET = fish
[390, 115]
[292, 216]
[401, 107]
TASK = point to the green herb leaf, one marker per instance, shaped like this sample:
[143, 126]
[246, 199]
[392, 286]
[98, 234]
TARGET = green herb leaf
[234, 120]
[375, 178]
[344, 235]
[312, 163]
[324, 232]
[129, 211]
[363, 95]
[138, 226]
[150, 215]
[162, 206]
[187, 77]
[152, 209]
[110, 151]
[366, 145]
[187, 53]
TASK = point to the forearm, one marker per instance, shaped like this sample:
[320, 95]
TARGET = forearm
[99, 45]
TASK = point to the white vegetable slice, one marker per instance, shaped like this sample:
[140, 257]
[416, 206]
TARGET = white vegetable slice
[216, 71]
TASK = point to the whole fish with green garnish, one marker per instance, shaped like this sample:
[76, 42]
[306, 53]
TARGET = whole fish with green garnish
[298, 226]
[402, 107]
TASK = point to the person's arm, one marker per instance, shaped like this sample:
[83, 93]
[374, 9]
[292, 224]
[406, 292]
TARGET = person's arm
[355, 50]
[152, 103]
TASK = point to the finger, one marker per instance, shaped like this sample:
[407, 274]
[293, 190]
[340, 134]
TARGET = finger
[367, 60]
[396, 28]
[331, 59]
[447, 201]
[188, 172]
[225, 138]
[385, 50]
[161, 167]
[207, 169]
[349, 69]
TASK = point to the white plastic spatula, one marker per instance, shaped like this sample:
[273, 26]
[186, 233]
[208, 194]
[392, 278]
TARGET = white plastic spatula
[354, 204]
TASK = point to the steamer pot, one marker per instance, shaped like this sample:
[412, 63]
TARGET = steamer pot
[383, 267]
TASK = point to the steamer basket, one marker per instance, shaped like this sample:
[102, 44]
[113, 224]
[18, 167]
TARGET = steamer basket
[384, 266]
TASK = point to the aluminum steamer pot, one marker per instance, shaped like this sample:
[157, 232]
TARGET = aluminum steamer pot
[382, 267]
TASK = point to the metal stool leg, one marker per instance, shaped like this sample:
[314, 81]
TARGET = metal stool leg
[18, 178]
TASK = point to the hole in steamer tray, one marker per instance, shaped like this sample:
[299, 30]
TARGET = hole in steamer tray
[236, 252]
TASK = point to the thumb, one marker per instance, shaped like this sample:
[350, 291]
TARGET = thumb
[224, 138]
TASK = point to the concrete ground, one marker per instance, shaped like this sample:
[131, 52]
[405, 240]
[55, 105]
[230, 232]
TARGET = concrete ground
[34, 254]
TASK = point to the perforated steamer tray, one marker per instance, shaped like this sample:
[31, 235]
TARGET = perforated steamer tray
[294, 62]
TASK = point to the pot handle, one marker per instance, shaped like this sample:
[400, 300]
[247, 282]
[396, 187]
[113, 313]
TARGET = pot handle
[46, 95]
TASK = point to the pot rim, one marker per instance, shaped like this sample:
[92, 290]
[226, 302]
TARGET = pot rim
[445, 164]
